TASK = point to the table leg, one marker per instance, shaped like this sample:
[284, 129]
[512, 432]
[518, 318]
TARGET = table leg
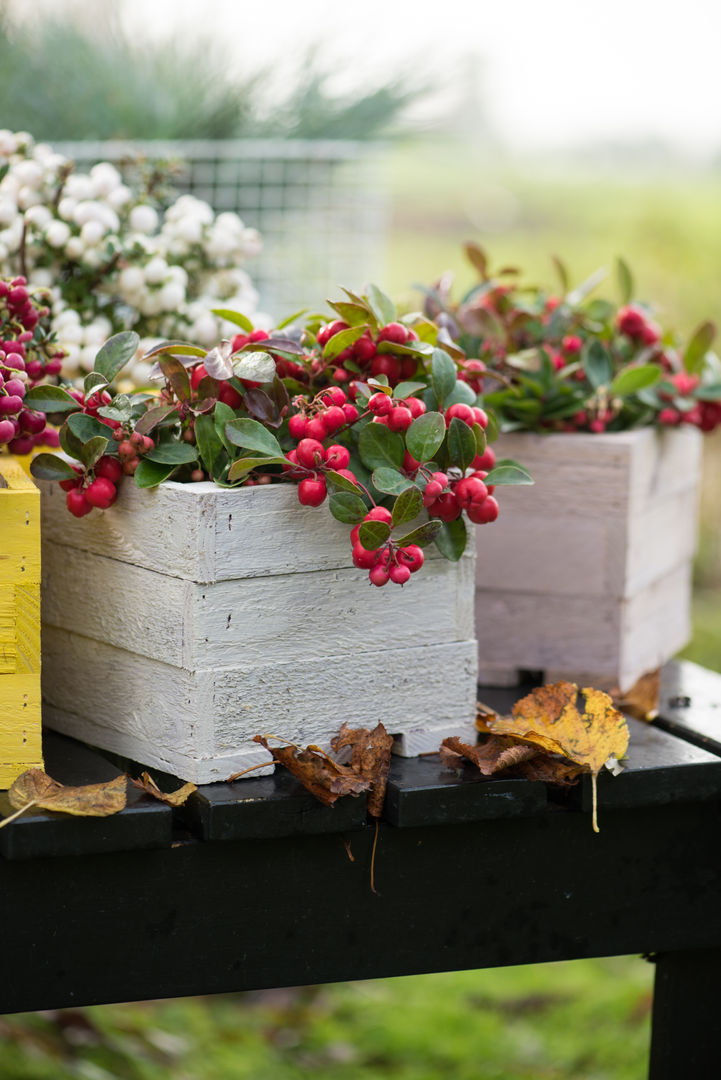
[686, 1027]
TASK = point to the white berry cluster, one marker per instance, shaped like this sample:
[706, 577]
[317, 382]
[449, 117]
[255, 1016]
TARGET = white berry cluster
[113, 259]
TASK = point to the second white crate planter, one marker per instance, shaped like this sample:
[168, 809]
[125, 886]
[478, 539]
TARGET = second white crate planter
[587, 575]
[185, 620]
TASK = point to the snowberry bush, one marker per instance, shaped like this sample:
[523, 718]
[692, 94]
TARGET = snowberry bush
[365, 412]
[112, 258]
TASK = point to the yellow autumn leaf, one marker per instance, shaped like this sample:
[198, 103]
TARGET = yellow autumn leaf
[171, 798]
[34, 788]
[549, 717]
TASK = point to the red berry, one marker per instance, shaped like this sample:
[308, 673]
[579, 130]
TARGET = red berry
[631, 320]
[362, 558]
[446, 507]
[378, 575]
[333, 419]
[196, 375]
[311, 492]
[337, 457]
[334, 396]
[379, 513]
[487, 459]
[390, 366]
[399, 574]
[400, 418]
[316, 429]
[470, 492]
[411, 556]
[380, 404]
[297, 426]
[310, 453]
[480, 416]
[350, 412]
[330, 330]
[484, 512]
[76, 503]
[109, 468]
[364, 349]
[230, 396]
[394, 332]
[101, 493]
[409, 462]
[462, 412]
[416, 406]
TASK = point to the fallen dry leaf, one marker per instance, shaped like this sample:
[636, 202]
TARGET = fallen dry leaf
[371, 759]
[35, 788]
[641, 701]
[496, 754]
[484, 713]
[549, 717]
[172, 798]
[323, 777]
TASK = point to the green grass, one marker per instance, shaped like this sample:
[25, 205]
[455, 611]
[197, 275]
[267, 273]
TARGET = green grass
[586, 1019]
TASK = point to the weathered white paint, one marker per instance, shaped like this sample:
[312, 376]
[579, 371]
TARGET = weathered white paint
[250, 619]
[587, 574]
[185, 620]
[199, 725]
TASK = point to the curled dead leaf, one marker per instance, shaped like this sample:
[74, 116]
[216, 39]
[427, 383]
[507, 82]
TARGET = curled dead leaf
[549, 717]
[35, 788]
[492, 756]
[484, 714]
[171, 798]
[317, 772]
[371, 759]
[641, 701]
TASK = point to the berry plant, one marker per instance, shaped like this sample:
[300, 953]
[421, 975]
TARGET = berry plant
[28, 354]
[365, 411]
[565, 362]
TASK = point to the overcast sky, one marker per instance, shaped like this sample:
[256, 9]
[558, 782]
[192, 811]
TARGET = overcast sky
[553, 71]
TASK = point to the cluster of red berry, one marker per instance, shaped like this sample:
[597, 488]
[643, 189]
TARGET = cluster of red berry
[389, 561]
[96, 487]
[23, 363]
[364, 356]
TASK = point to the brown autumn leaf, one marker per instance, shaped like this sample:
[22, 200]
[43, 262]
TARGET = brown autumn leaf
[641, 701]
[371, 759]
[549, 717]
[484, 713]
[496, 754]
[35, 788]
[172, 798]
[323, 777]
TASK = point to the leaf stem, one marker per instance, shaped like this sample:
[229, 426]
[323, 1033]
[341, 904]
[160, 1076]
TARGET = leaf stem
[7, 820]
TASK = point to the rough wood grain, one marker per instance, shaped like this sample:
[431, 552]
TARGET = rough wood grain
[250, 620]
[199, 725]
[573, 566]
[20, 740]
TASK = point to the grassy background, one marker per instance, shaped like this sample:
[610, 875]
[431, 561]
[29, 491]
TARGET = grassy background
[586, 1020]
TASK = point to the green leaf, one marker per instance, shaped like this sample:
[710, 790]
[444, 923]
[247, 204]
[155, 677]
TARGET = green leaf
[479, 435]
[353, 314]
[51, 467]
[212, 452]
[460, 394]
[625, 281]
[92, 381]
[153, 417]
[507, 471]
[381, 305]
[116, 353]
[425, 436]
[342, 340]
[423, 535]
[252, 436]
[183, 348]
[378, 446]
[86, 427]
[373, 534]
[407, 506]
[597, 365]
[347, 507]
[712, 392]
[461, 444]
[390, 481]
[93, 450]
[633, 378]
[336, 482]
[234, 317]
[443, 375]
[223, 416]
[173, 453]
[452, 538]
[50, 399]
[493, 430]
[242, 466]
[700, 343]
[70, 443]
[409, 389]
[561, 272]
[151, 473]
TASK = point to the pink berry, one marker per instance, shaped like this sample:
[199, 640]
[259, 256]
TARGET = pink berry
[7, 431]
[379, 513]
[461, 411]
[10, 405]
[399, 574]
[350, 412]
[378, 575]
[411, 556]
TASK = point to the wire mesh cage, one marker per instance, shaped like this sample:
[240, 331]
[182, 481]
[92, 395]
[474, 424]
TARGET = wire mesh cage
[320, 206]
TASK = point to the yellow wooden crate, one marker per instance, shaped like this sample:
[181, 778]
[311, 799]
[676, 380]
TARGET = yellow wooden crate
[20, 730]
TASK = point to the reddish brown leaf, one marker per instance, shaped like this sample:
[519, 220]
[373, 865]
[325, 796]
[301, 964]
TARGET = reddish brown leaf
[322, 776]
[641, 701]
[496, 754]
[371, 759]
[172, 798]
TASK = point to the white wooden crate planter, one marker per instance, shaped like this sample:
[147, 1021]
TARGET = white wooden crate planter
[587, 575]
[185, 620]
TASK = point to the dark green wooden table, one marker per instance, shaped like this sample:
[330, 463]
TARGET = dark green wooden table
[252, 884]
